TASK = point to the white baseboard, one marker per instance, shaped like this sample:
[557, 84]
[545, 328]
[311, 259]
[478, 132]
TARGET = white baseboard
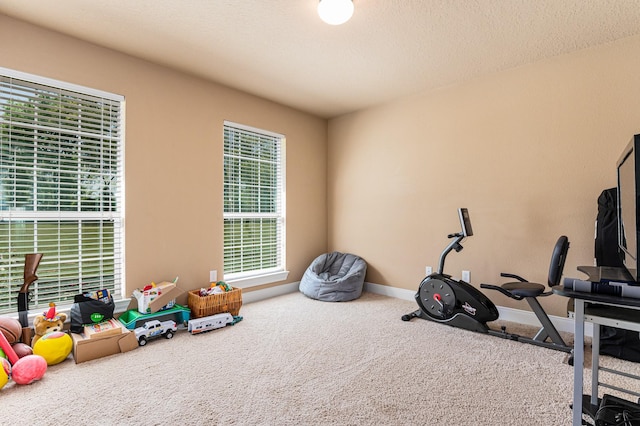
[267, 293]
[385, 290]
[507, 314]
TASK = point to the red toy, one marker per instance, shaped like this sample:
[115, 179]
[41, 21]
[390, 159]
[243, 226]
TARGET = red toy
[28, 369]
[25, 370]
[8, 350]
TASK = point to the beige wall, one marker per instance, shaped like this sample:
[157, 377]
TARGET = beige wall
[173, 154]
[528, 151]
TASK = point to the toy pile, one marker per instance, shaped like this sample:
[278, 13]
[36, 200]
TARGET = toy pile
[150, 292]
[22, 358]
[17, 360]
[215, 288]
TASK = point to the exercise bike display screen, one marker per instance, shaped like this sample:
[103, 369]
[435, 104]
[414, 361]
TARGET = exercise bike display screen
[465, 222]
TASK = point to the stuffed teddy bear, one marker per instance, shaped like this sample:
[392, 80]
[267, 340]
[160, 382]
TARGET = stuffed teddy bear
[48, 322]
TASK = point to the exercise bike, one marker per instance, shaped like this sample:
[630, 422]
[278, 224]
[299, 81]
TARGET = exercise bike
[458, 304]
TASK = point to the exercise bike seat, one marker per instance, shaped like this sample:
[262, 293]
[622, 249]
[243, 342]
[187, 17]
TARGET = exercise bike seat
[520, 290]
[525, 290]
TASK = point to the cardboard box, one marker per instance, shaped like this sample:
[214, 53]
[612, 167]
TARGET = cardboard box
[153, 301]
[159, 294]
[88, 349]
[104, 329]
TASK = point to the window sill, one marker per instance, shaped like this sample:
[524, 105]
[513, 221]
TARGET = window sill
[256, 280]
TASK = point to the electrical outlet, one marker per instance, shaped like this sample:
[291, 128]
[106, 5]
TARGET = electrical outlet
[466, 276]
[428, 270]
[213, 276]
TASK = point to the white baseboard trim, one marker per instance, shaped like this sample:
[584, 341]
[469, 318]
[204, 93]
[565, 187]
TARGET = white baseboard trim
[385, 290]
[507, 314]
[267, 293]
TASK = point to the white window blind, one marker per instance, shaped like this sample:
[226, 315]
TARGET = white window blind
[253, 202]
[61, 189]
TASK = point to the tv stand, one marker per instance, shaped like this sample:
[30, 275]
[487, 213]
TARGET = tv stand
[598, 309]
[604, 274]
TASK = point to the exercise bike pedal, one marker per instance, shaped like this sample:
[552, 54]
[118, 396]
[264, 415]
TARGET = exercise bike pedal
[412, 315]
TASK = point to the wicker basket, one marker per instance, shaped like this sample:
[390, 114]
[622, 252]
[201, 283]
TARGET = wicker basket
[204, 306]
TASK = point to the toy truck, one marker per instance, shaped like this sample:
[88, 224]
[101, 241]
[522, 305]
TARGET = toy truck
[133, 319]
[200, 325]
[154, 328]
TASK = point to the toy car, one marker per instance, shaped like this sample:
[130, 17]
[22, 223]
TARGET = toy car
[154, 328]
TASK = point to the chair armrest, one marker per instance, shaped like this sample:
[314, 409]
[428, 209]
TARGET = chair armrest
[501, 290]
[514, 276]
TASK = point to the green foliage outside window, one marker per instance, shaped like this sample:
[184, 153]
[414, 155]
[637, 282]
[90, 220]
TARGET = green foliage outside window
[60, 184]
[252, 201]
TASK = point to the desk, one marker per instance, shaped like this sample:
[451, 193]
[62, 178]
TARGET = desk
[599, 309]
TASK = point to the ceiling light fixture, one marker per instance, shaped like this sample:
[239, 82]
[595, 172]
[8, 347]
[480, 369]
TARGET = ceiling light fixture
[335, 12]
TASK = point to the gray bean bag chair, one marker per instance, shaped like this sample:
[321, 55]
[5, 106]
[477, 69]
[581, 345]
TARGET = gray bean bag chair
[334, 277]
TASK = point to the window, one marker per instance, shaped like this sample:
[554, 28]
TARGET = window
[253, 203]
[61, 189]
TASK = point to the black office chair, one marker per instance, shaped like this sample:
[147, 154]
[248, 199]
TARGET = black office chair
[523, 289]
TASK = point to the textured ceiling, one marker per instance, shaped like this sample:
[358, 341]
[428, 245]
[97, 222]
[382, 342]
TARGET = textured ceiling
[280, 50]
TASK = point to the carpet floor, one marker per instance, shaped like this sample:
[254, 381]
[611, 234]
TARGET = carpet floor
[297, 361]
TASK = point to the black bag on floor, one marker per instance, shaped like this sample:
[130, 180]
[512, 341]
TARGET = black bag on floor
[87, 310]
[623, 344]
[619, 343]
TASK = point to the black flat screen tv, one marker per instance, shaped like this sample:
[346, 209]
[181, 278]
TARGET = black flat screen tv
[628, 192]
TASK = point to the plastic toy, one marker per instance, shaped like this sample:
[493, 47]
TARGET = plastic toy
[29, 369]
[5, 372]
[215, 288]
[132, 319]
[156, 297]
[154, 328]
[201, 325]
[54, 347]
[31, 262]
[8, 350]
